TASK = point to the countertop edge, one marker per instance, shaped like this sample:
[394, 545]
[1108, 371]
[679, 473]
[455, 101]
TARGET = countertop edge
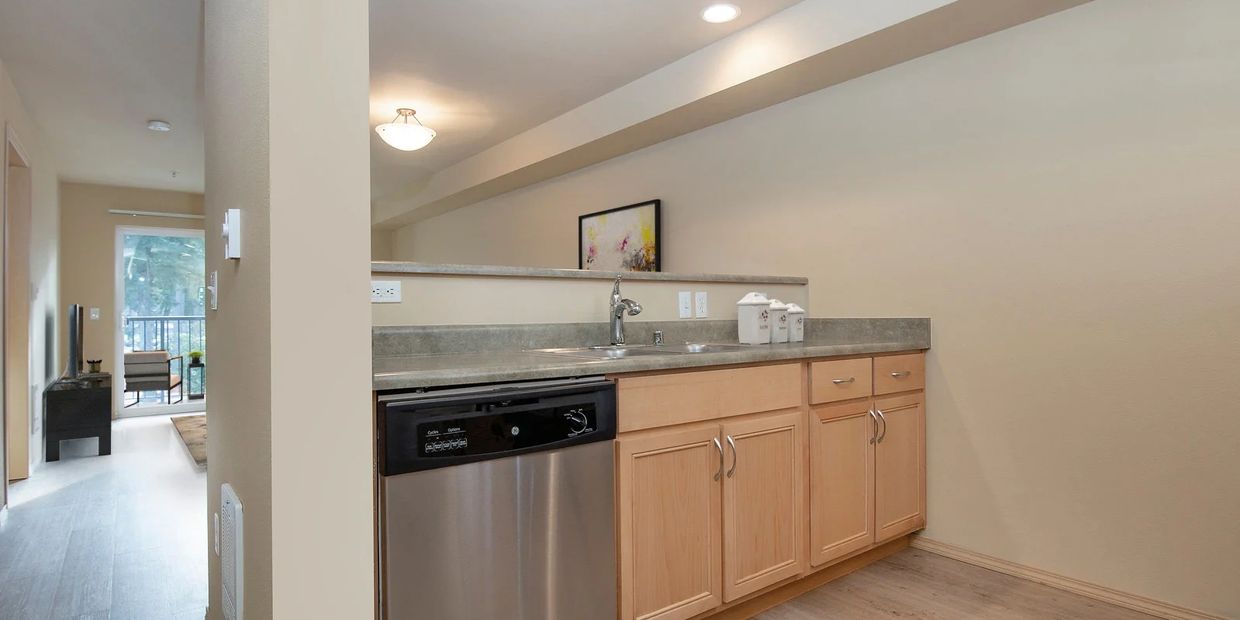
[581, 367]
[501, 271]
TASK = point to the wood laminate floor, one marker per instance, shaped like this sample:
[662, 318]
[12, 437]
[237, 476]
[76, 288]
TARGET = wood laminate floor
[121, 536]
[919, 584]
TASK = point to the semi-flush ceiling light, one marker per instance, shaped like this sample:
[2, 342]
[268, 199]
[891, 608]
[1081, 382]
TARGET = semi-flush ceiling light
[155, 125]
[403, 135]
[720, 13]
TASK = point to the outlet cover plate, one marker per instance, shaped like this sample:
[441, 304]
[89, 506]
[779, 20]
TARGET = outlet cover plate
[699, 304]
[385, 291]
[685, 305]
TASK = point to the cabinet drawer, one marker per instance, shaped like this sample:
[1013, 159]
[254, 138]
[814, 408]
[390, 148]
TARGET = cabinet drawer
[663, 400]
[840, 380]
[899, 373]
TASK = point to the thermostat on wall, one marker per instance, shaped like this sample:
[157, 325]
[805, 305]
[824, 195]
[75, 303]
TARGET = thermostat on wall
[232, 233]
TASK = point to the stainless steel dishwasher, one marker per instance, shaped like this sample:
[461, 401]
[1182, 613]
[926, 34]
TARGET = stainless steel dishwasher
[498, 502]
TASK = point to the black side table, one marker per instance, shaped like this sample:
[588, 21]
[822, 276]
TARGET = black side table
[73, 409]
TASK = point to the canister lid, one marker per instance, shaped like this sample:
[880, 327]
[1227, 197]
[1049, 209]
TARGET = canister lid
[754, 299]
[778, 305]
[795, 309]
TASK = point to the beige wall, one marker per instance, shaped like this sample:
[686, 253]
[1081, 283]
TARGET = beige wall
[322, 429]
[295, 439]
[1060, 198]
[88, 251]
[466, 300]
[45, 214]
[236, 115]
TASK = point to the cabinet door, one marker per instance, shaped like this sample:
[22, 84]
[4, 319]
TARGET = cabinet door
[900, 466]
[841, 479]
[763, 506]
[669, 526]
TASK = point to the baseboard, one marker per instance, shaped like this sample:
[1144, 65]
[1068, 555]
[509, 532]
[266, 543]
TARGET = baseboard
[1076, 586]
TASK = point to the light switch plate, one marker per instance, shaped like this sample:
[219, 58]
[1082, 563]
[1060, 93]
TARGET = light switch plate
[686, 305]
[385, 291]
[699, 304]
[213, 289]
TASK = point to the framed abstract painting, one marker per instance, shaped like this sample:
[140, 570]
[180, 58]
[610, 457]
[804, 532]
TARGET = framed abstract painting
[621, 239]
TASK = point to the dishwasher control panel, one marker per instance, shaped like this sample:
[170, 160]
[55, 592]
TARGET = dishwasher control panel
[485, 432]
[429, 431]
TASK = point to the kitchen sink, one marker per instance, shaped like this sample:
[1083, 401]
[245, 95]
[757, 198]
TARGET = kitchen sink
[611, 352]
[697, 347]
[643, 350]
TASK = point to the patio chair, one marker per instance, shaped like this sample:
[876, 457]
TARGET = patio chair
[151, 371]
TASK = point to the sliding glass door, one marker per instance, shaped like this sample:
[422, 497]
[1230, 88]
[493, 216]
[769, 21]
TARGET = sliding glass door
[163, 334]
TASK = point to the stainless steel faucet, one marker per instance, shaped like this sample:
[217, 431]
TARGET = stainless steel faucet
[619, 306]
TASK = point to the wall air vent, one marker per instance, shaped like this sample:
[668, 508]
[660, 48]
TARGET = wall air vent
[232, 556]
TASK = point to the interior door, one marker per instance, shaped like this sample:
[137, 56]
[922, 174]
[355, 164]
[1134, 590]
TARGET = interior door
[841, 479]
[668, 504]
[900, 473]
[763, 503]
[17, 319]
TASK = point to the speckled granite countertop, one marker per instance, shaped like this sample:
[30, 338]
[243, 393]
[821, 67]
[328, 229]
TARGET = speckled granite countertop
[395, 372]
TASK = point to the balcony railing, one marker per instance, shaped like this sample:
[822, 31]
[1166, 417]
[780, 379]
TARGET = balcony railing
[178, 335]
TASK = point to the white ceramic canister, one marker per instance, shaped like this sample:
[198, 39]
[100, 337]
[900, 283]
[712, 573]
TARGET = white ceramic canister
[779, 321]
[753, 319]
[796, 323]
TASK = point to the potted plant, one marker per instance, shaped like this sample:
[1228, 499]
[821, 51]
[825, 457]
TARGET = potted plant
[195, 357]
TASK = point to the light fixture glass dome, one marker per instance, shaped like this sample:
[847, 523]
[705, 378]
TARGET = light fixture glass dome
[403, 135]
[720, 13]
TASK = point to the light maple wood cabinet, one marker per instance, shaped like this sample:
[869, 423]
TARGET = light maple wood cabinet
[841, 461]
[669, 527]
[900, 466]
[733, 482]
[763, 507]
[709, 514]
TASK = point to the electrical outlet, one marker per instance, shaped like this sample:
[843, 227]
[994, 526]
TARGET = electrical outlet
[699, 304]
[686, 305]
[385, 291]
[94, 314]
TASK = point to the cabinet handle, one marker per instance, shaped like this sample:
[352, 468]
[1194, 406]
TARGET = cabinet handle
[734, 456]
[843, 381]
[884, 419]
[874, 435]
[719, 447]
[901, 373]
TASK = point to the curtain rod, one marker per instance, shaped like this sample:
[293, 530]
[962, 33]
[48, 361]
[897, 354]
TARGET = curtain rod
[183, 216]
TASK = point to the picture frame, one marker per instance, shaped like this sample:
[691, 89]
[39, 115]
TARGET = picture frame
[621, 239]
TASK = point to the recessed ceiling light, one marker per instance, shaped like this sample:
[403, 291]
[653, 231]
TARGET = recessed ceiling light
[155, 125]
[720, 13]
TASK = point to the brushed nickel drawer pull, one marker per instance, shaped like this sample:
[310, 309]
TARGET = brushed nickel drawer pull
[735, 456]
[884, 419]
[843, 381]
[901, 373]
[874, 435]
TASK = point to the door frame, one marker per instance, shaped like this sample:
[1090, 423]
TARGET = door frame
[118, 327]
[10, 145]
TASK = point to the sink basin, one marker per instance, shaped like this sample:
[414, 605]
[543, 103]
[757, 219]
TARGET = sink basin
[642, 350]
[612, 352]
[697, 347]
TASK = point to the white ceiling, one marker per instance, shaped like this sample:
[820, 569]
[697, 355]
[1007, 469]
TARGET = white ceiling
[92, 73]
[482, 71]
[478, 71]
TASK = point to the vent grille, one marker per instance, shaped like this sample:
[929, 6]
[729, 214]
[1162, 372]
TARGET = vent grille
[232, 556]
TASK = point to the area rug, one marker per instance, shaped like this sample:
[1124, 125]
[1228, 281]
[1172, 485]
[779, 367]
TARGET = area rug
[193, 431]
